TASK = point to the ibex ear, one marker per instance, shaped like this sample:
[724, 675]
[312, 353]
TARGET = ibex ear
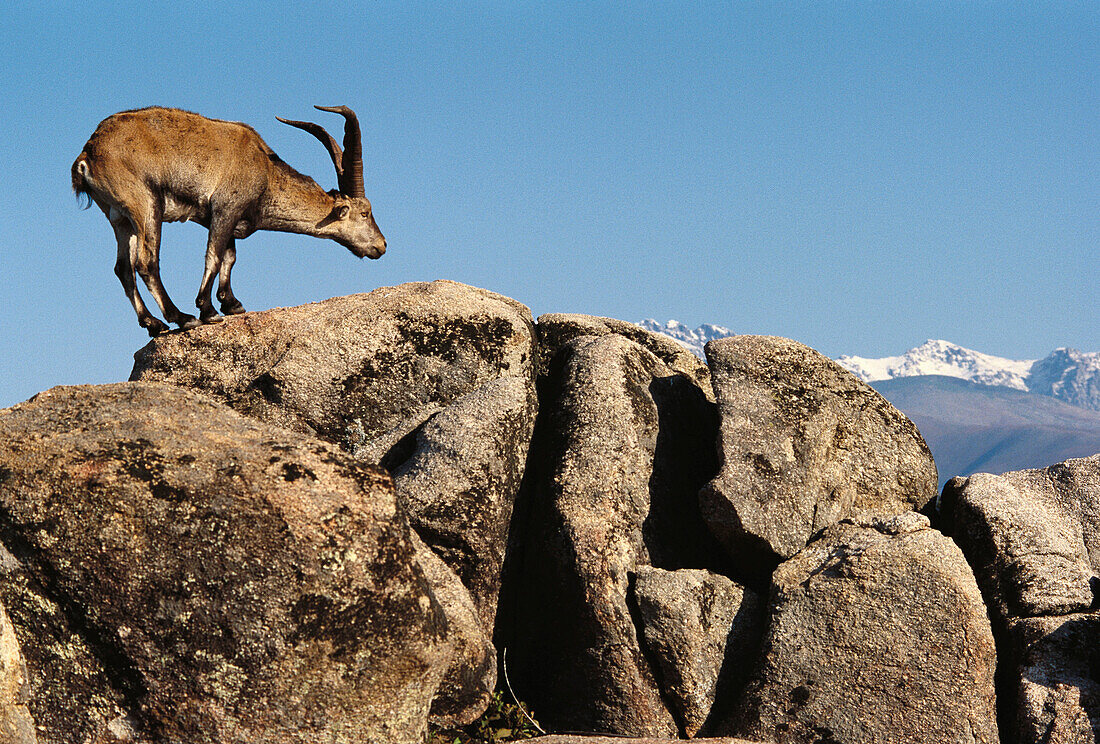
[340, 212]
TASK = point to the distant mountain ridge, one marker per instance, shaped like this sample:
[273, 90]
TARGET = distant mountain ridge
[693, 339]
[1068, 375]
[974, 428]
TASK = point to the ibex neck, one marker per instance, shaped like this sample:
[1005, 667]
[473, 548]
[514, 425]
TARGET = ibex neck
[295, 203]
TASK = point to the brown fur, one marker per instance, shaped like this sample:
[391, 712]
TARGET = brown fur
[156, 165]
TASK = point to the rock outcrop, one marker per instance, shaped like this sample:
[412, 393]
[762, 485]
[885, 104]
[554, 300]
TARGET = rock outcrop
[70, 693]
[361, 371]
[1058, 685]
[704, 630]
[470, 679]
[877, 634]
[803, 444]
[1031, 535]
[232, 580]
[338, 522]
[626, 740]
[433, 381]
[1033, 538]
[626, 444]
[460, 483]
[555, 330]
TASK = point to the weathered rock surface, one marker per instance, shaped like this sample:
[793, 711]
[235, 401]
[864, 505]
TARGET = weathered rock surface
[1033, 536]
[471, 678]
[625, 444]
[460, 484]
[361, 371]
[804, 444]
[1058, 696]
[71, 695]
[434, 381]
[16, 724]
[704, 630]
[175, 573]
[246, 583]
[555, 330]
[877, 634]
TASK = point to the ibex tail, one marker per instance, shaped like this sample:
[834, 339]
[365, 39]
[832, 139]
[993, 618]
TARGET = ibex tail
[80, 176]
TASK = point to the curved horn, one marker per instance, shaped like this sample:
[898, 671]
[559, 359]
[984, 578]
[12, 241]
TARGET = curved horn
[326, 139]
[351, 182]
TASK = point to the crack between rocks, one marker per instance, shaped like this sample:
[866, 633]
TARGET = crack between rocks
[649, 657]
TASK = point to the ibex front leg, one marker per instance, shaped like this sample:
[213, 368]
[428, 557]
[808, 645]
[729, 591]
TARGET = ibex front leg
[217, 246]
[230, 305]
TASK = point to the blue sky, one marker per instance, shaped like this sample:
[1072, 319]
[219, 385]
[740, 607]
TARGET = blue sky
[857, 176]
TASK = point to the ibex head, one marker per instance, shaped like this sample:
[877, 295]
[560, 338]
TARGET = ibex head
[352, 221]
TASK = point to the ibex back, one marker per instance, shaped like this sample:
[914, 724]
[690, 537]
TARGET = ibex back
[156, 165]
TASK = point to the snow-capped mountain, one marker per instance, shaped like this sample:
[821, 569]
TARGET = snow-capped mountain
[1069, 375]
[943, 358]
[1066, 374]
[693, 339]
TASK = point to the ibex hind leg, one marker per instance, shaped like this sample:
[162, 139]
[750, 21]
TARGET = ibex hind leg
[124, 270]
[147, 263]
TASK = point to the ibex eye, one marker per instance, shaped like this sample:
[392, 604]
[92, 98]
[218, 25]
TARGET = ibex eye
[364, 214]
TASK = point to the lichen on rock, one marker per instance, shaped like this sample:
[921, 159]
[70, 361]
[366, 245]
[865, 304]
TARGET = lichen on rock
[235, 581]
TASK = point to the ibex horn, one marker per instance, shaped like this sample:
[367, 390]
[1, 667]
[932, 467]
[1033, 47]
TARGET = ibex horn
[349, 161]
[352, 183]
[326, 139]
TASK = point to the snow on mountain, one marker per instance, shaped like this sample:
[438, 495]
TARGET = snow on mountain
[930, 358]
[943, 358]
[1068, 375]
[693, 339]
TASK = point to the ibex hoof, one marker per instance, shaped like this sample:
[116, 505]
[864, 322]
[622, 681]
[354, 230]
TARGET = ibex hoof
[154, 327]
[236, 308]
[187, 322]
[211, 318]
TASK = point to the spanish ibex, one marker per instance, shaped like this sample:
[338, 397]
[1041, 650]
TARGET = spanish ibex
[156, 165]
